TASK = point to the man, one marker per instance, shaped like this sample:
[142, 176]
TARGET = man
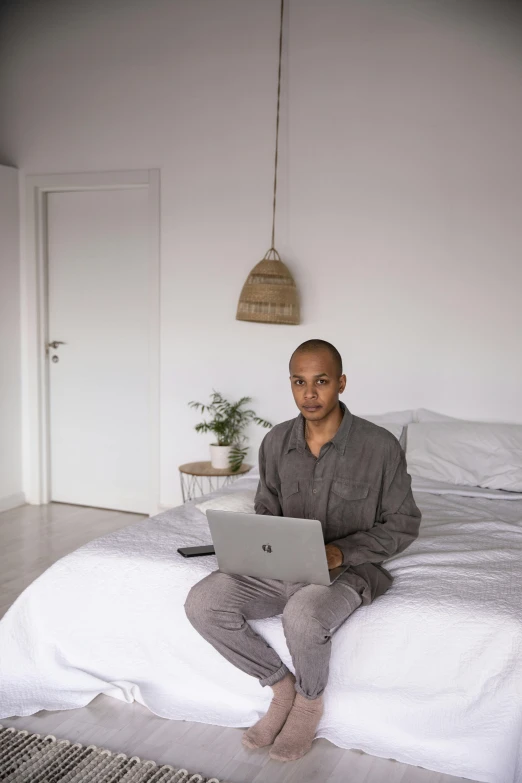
[330, 465]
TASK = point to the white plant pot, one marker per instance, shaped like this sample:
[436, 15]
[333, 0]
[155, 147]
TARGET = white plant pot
[219, 456]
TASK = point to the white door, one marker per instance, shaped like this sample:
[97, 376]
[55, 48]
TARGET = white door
[100, 406]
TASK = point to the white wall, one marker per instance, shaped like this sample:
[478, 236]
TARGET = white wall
[11, 494]
[401, 185]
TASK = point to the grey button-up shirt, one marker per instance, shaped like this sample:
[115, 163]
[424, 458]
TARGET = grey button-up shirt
[358, 488]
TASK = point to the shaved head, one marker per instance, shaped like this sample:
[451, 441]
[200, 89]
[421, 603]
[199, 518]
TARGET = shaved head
[317, 380]
[313, 346]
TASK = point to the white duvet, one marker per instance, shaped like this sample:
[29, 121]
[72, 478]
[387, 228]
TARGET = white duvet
[429, 674]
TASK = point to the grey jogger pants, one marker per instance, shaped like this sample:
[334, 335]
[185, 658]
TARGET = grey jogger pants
[220, 604]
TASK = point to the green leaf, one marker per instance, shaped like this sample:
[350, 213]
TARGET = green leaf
[236, 457]
[262, 422]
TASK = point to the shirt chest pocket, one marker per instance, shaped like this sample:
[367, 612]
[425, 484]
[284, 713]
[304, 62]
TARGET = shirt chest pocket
[348, 507]
[292, 500]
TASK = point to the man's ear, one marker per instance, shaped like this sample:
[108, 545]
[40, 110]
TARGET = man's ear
[342, 384]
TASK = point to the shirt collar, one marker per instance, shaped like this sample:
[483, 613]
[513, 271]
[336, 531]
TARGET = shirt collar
[297, 438]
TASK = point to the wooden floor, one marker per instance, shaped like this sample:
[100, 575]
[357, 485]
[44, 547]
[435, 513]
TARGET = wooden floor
[31, 539]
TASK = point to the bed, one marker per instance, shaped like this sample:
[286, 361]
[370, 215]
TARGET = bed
[429, 674]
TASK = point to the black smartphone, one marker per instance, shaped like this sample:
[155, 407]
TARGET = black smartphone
[196, 551]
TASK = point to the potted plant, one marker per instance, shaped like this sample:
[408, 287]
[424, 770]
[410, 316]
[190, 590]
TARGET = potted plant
[227, 421]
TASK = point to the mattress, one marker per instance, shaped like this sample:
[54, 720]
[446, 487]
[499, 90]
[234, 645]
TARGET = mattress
[429, 674]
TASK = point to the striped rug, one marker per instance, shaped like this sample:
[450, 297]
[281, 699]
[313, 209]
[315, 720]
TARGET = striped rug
[31, 757]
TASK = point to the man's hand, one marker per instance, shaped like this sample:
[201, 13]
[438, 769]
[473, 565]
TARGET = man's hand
[334, 556]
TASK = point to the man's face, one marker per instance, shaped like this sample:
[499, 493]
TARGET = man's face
[315, 384]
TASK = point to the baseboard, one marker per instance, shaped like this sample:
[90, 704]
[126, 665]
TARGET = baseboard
[12, 501]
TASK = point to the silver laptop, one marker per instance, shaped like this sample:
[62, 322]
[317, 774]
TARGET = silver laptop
[271, 547]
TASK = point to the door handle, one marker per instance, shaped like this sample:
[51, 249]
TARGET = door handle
[54, 345]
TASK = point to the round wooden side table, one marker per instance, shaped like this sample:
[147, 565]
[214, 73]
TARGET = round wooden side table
[200, 478]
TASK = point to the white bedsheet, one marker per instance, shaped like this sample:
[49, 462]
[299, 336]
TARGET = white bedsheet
[429, 674]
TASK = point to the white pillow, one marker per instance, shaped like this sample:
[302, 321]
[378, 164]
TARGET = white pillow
[423, 414]
[253, 473]
[394, 417]
[234, 501]
[476, 454]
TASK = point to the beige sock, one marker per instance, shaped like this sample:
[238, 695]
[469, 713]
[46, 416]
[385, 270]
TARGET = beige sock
[297, 735]
[265, 731]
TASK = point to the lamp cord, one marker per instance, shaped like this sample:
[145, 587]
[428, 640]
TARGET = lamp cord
[277, 124]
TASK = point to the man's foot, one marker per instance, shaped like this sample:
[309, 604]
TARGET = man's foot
[265, 731]
[297, 735]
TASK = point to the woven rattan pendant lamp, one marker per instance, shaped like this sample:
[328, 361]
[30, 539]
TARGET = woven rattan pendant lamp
[270, 294]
